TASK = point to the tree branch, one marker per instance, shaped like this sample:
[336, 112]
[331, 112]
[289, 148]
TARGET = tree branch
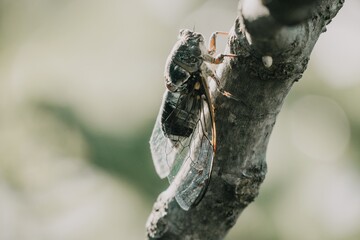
[273, 54]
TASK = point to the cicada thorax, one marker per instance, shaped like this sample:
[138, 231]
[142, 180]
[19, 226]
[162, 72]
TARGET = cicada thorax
[181, 111]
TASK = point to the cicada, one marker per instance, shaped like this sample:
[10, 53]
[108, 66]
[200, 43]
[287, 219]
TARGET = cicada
[183, 142]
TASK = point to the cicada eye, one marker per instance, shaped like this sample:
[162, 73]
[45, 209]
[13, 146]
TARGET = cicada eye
[201, 39]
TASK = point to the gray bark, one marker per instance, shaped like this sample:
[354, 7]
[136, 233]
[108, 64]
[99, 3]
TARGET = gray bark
[287, 34]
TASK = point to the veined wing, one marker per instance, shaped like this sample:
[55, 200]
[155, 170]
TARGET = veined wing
[192, 177]
[162, 150]
[187, 161]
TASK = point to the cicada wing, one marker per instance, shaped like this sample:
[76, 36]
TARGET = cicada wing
[162, 151]
[191, 172]
[185, 152]
[168, 154]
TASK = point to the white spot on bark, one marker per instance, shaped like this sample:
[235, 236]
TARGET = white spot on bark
[253, 9]
[267, 61]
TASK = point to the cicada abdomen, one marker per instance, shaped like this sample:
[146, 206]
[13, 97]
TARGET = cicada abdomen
[182, 108]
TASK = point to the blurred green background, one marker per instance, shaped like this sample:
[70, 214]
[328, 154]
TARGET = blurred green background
[81, 83]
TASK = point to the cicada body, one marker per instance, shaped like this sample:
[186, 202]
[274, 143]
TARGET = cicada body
[181, 110]
[183, 142]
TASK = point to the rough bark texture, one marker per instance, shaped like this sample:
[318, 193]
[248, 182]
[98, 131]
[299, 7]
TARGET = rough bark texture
[288, 34]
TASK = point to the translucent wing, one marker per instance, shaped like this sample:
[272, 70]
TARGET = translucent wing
[186, 159]
[166, 149]
[190, 180]
[162, 150]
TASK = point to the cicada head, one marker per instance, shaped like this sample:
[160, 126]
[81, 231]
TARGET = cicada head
[184, 59]
[194, 41]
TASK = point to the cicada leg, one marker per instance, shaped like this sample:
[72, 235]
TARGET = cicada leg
[212, 41]
[216, 60]
[210, 73]
[212, 49]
